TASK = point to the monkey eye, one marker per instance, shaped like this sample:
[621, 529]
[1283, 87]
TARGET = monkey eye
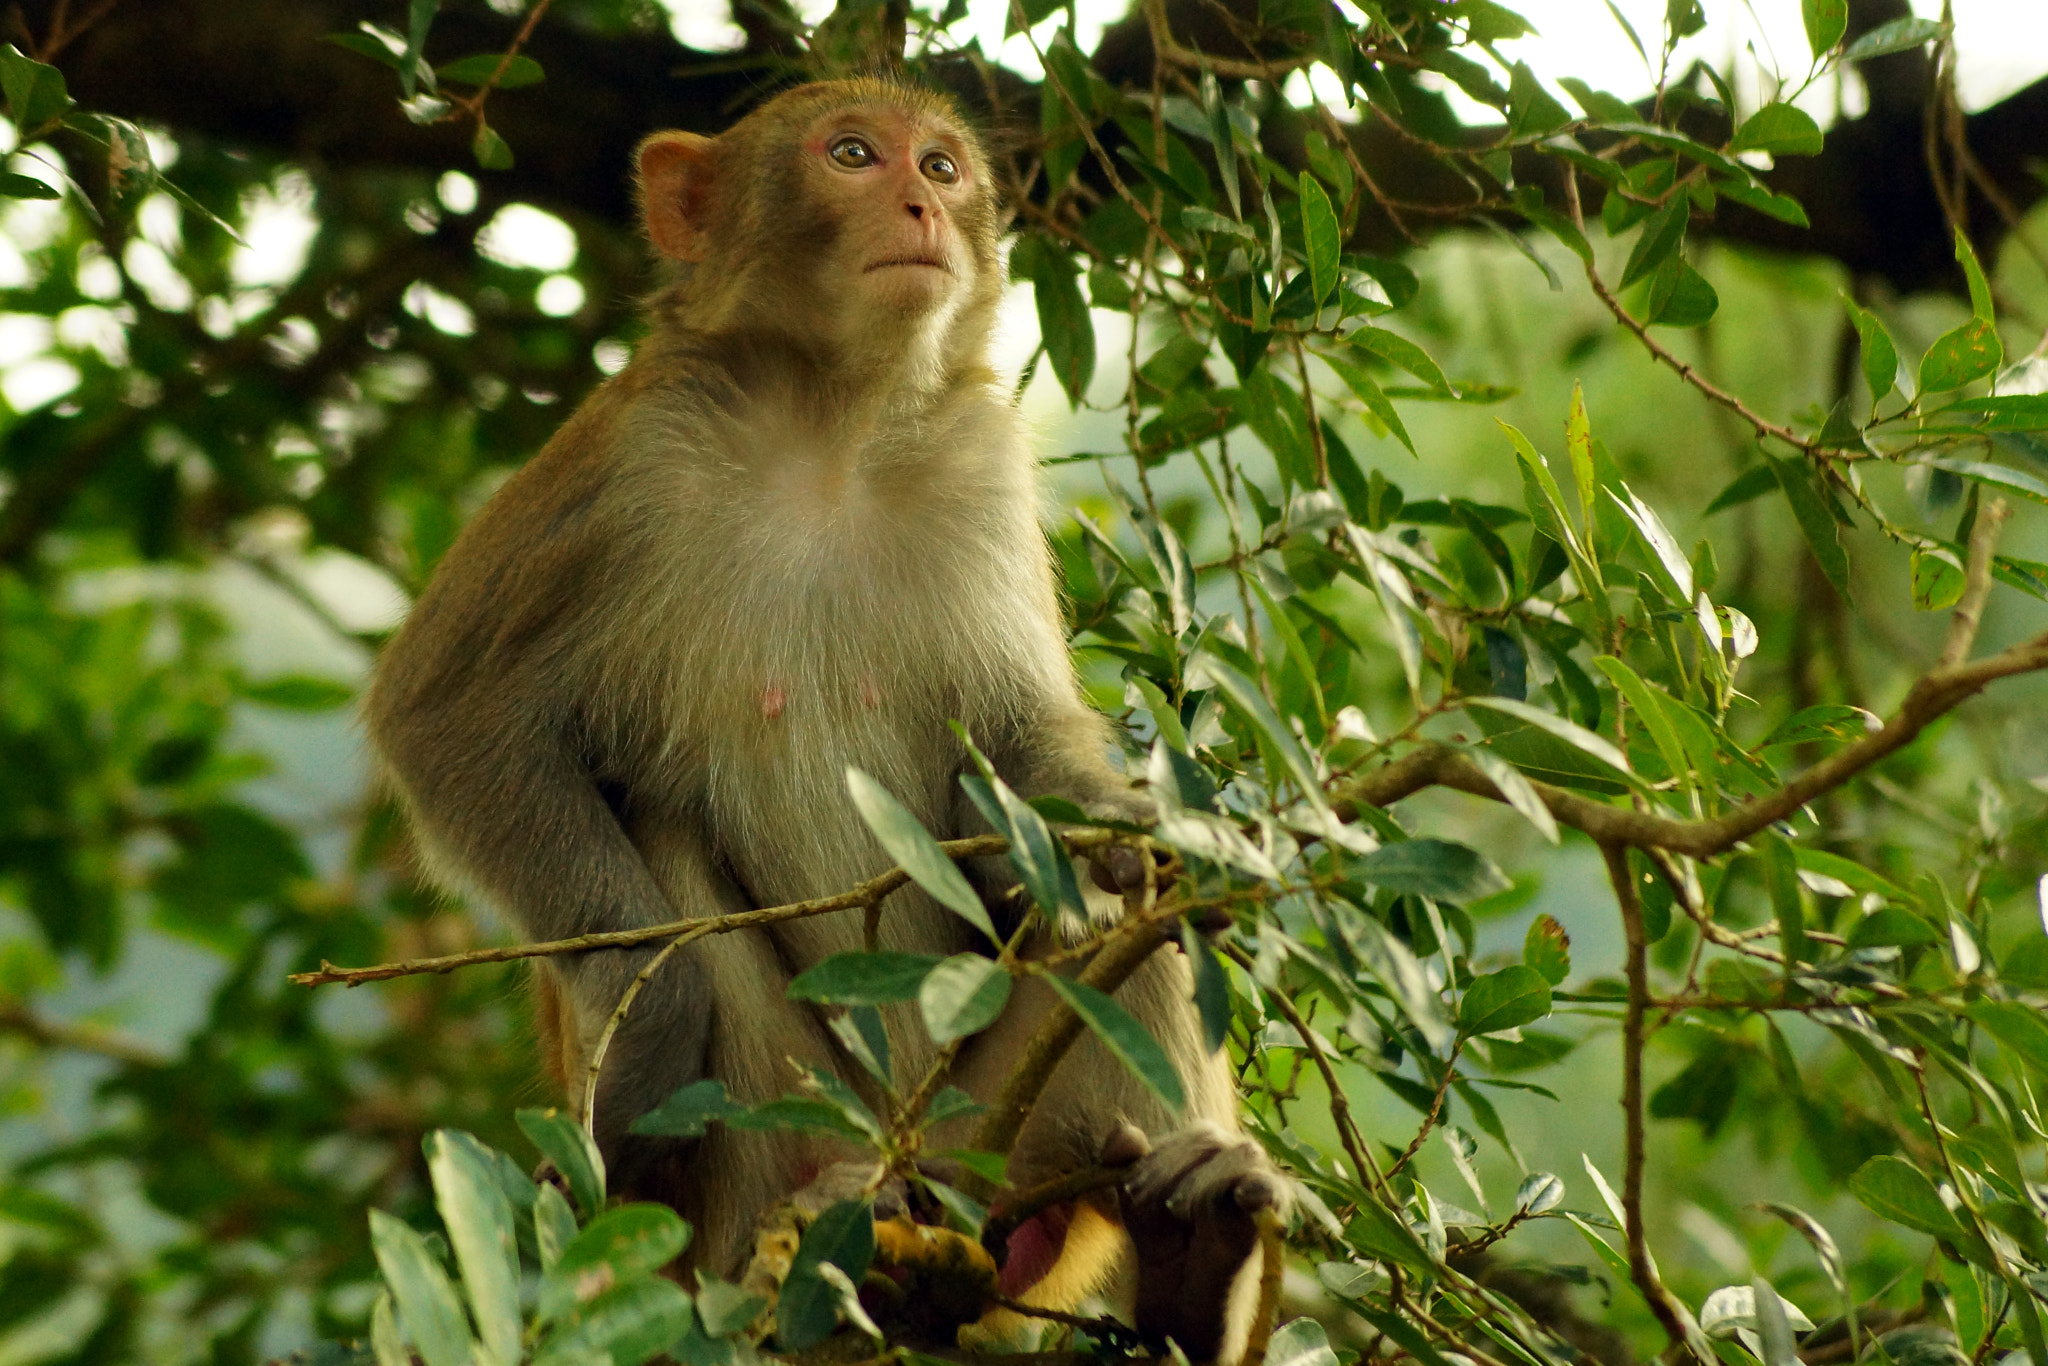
[939, 167]
[853, 153]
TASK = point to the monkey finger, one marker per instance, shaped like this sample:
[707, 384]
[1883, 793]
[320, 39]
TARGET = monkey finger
[1125, 1146]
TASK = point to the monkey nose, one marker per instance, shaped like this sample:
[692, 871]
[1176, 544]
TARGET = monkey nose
[916, 211]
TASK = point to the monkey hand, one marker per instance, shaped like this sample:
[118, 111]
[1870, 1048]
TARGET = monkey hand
[1120, 868]
[1191, 1207]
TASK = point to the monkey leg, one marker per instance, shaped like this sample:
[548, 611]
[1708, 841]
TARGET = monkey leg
[1175, 1245]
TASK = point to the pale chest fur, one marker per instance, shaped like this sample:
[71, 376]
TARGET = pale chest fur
[861, 595]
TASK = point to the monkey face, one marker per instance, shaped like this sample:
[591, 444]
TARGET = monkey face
[896, 183]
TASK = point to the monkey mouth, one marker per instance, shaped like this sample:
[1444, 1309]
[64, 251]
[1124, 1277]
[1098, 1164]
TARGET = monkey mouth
[888, 261]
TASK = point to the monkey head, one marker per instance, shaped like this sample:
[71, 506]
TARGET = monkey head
[860, 212]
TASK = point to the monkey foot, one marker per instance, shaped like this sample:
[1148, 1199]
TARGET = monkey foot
[1191, 1206]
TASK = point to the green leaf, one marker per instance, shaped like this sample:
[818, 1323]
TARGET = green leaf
[1937, 579]
[520, 71]
[16, 186]
[420, 14]
[1372, 396]
[617, 1246]
[1828, 721]
[1880, 353]
[1573, 734]
[1680, 296]
[1040, 860]
[1300, 1342]
[1816, 522]
[2020, 1028]
[1245, 696]
[863, 979]
[1967, 353]
[1752, 483]
[1661, 237]
[1662, 733]
[1063, 321]
[688, 1111]
[1781, 878]
[843, 1236]
[1124, 1037]
[1321, 236]
[1782, 207]
[1384, 1235]
[562, 1141]
[1598, 104]
[1780, 129]
[554, 1223]
[1896, 36]
[628, 1324]
[1521, 794]
[1980, 288]
[1514, 996]
[1998, 476]
[2000, 413]
[1548, 949]
[1897, 1190]
[492, 152]
[479, 1223]
[906, 840]
[1398, 350]
[1533, 112]
[301, 692]
[35, 92]
[387, 1344]
[963, 995]
[1437, 869]
[1212, 989]
[1578, 442]
[1825, 22]
[1221, 138]
[862, 1034]
[427, 1305]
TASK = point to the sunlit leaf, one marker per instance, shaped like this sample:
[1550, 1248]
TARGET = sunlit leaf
[1506, 999]
[963, 995]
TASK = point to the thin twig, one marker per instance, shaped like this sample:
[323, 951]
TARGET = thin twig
[1436, 1109]
[611, 1026]
[1969, 613]
[1369, 1174]
[474, 104]
[1641, 1270]
[860, 896]
[17, 1019]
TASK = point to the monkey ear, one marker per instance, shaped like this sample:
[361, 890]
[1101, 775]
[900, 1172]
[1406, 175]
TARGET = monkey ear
[676, 172]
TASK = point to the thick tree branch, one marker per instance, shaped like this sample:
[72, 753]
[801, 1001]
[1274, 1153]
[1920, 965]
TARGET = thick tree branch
[1933, 696]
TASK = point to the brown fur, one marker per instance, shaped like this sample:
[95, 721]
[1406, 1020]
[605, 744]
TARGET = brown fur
[798, 532]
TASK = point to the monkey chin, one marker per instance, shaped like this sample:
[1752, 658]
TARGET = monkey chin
[910, 291]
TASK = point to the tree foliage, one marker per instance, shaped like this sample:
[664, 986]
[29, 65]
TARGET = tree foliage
[1409, 645]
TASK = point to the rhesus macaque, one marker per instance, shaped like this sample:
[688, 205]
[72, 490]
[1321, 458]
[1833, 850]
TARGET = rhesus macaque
[798, 532]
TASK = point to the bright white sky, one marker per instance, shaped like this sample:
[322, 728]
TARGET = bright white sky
[2003, 43]
[2002, 46]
